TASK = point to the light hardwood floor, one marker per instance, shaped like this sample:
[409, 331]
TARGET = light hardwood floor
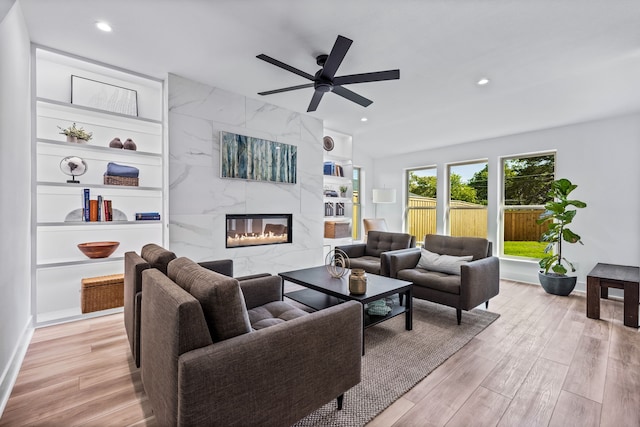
[542, 363]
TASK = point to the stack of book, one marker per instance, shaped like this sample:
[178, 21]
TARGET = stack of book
[147, 216]
[95, 210]
[330, 168]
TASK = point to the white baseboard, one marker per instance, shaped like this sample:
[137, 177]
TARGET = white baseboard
[10, 373]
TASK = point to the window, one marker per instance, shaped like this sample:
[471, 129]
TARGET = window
[355, 220]
[421, 202]
[468, 199]
[526, 180]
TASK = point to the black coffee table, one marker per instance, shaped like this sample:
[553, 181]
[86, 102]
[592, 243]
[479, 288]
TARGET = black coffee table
[325, 291]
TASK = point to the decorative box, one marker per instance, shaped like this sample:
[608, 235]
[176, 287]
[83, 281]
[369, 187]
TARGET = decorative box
[336, 230]
[120, 180]
[102, 292]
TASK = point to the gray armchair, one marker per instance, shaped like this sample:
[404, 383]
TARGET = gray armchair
[477, 282]
[218, 352]
[151, 256]
[373, 256]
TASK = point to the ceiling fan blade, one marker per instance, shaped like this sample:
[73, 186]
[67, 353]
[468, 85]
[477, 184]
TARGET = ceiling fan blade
[284, 66]
[286, 89]
[352, 96]
[335, 58]
[313, 105]
[367, 77]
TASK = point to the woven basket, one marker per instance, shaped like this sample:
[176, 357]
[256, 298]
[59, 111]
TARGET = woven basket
[336, 230]
[102, 292]
[120, 180]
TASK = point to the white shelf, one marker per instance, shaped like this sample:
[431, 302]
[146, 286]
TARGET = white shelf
[338, 199]
[82, 185]
[96, 223]
[89, 146]
[340, 156]
[59, 266]
[80, 109]
[80, 262]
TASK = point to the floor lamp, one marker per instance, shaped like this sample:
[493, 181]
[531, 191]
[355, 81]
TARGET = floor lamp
[383, 195]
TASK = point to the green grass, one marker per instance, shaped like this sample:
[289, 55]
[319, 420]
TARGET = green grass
[525, 249]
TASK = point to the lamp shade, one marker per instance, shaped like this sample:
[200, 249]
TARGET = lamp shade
[384, 195]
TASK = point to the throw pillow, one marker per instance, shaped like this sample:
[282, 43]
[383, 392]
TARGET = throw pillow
[222, 303]
[443, 263]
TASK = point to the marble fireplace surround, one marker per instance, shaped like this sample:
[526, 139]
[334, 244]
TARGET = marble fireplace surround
[199, 199]
[258, 229]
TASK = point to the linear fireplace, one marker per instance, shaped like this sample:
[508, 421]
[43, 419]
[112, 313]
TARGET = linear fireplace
[258, 229]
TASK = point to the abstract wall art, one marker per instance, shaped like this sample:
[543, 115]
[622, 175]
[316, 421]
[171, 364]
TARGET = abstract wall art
[246, 157]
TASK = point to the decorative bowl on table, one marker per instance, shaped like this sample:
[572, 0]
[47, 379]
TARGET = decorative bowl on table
[98, 249]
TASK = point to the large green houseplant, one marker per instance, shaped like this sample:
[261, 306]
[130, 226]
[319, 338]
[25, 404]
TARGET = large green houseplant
[558, 215]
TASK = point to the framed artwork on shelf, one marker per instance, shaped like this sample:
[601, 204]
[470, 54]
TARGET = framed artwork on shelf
[249, 158]
[103, 96]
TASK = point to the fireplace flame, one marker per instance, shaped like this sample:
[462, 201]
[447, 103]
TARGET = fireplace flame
[250, 239]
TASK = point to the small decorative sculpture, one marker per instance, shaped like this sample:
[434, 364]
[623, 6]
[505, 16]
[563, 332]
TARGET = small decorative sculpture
[337, 263]
[73, 166]
[129, 144]
[115, 143]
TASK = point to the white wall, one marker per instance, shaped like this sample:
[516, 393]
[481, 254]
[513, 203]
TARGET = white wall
[15, 198]
[199, 198]
[601, 157]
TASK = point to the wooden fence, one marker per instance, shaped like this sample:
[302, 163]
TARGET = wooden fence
[469, 219]
[520, 225]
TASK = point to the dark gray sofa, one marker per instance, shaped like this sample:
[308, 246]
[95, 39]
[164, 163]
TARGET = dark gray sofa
[478, 281]
[373, 256]
[219, 352]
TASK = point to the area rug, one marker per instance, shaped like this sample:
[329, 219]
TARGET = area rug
[395, 360]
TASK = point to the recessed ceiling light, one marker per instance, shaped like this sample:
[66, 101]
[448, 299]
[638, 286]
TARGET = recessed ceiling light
[483, 81]
[103, 26]
[364, 119]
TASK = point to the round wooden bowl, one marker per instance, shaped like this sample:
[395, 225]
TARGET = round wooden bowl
[98, 249]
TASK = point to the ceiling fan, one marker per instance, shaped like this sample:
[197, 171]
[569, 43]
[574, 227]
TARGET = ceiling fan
[325, 80]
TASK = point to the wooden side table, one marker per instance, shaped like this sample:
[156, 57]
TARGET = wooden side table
[605, 276]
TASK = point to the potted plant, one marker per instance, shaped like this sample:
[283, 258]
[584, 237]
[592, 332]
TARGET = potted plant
[76, 134]
[84, 136]
[559, 215]
[343, 190]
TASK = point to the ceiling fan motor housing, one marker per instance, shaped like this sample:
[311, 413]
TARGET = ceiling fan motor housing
[321, 84]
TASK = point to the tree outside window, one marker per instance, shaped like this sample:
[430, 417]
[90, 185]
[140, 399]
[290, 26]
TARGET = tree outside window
[421, 202]
[468, 199]
[527, 181]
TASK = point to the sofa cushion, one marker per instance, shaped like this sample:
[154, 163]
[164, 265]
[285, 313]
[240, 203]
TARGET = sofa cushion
[457, 246]
[157, 256]
[382, 241]
[370, 264]
[273, 313]
[444, 282]
[184, 272]
[442, 263]
[220, 297]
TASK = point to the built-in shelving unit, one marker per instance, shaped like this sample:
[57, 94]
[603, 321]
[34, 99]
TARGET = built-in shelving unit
[338, 172]
[58, 225]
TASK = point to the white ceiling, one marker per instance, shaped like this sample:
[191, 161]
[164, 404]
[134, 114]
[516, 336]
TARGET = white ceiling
[551, 62]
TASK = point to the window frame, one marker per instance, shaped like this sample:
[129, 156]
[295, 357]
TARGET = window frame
[408, 209]
[503, 207]
[356, 206]
[448, 208]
